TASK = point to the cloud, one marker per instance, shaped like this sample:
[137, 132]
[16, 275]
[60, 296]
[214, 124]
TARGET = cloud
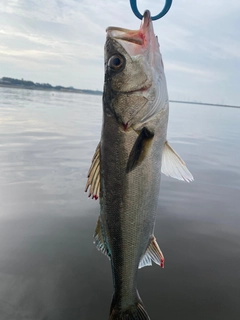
[64, 39]
[203, 74]
[224, 48]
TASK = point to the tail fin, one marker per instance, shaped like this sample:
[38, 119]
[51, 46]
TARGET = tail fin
[133, 312]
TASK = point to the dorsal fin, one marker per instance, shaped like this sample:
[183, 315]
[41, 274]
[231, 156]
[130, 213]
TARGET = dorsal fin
[139, 149]
[99, 239]
[173, 166]
[94, 176]
[153, 253]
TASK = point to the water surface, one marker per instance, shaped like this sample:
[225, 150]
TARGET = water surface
[49, 268]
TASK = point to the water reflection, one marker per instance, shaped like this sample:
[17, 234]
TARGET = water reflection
[49, 268]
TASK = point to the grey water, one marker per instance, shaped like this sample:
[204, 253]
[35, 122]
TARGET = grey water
[49, 267]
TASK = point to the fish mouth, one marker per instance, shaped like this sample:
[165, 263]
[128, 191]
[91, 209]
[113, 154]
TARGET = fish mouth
[125, 34]
[137, 37]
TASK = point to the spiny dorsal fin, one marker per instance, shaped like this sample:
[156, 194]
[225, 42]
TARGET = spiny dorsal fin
[139, 149]
[173, 166]
[154, 254]
[99, 239]
[94, 176]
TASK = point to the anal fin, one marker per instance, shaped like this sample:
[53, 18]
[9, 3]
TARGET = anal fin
[153, 253]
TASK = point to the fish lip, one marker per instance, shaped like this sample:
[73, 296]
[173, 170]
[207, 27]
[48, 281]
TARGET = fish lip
[138, 41]
[146, 19]
[111, 28]
[133, 36]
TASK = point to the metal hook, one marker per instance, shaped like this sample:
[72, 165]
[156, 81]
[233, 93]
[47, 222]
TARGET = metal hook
[167, 6]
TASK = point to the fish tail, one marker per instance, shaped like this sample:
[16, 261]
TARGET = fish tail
[135, 311]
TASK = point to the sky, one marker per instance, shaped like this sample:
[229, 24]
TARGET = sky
[61, 42]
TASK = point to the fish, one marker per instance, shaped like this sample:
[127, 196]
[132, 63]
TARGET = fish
[126, 168]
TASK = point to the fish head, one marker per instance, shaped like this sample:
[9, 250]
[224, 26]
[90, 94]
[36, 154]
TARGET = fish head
[135, 86]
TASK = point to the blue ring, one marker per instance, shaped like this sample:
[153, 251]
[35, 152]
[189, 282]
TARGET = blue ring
[167, 6]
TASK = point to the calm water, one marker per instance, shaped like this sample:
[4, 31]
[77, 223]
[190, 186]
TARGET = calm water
[49, 267]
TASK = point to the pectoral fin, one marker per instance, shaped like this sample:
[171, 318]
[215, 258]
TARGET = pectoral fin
[173, 166]
[93, 182]
[139, 149]
[154, 254]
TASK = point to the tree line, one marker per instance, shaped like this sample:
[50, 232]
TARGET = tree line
[27, 84]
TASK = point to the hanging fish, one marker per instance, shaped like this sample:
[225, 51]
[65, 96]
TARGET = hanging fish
[126, 168]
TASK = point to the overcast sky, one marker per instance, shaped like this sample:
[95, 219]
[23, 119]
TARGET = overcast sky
[61, 42]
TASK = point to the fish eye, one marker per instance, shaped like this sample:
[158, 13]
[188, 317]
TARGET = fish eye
[115, 62]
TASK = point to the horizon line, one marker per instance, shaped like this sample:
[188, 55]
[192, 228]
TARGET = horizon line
[206, 104]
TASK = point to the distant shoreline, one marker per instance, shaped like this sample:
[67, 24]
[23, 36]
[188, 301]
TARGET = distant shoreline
[206, 104]
[99, 93]
[82, 91]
